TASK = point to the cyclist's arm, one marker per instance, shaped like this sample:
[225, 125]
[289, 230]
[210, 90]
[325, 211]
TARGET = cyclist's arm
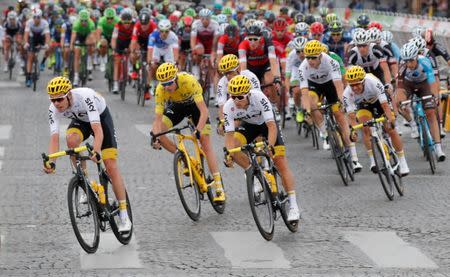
[193, 38]
[272, 132]
[387, 111]
[98, 136]
[150, 46]
[243, 54]
[203, 115]
[54, 144]
[274, 63]
[115, 34]
[337, 78]
[53, 122]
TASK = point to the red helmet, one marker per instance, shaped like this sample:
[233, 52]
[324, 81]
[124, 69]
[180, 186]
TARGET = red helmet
[316, 28]
[279, 24]
[187, 20]
[173, 18]
[375, 24]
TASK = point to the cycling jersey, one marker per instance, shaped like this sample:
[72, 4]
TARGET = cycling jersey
[107, 27]
[155, 41]
[259, 56]
[12, 29]
[86, 105]
[423, 71]
[373, 91]
[388, 52]
[328, 70]
[427, 53]
[292, 63]
[337, 58]
[185, 39]
[83, 30]
[121, 33]
[205, 35]
[258, 111]
[439, 50]
[370, 62]
[222, 86]
[228, 45]
[141, 35]
[339, 46]
[188, 91]
[56, 33]
[284, 41]
[37, 30]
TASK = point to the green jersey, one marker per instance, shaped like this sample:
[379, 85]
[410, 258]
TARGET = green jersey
[83, 30]
[337, 58]
[107, 27]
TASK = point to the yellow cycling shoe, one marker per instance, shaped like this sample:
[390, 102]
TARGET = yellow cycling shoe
[220, 196]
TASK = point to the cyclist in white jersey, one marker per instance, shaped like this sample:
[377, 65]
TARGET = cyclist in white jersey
[90, 116]
[364, 98]
[254, 111]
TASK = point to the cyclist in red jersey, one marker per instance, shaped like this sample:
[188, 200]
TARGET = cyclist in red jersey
[120, 42]
[280, 32]
[228, 42]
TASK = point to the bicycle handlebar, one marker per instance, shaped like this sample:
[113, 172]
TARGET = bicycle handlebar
[369, 123]
[246, 147]
[46, 158]
[172, 130]
[406, 102]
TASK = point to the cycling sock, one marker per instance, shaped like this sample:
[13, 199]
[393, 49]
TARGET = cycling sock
[352, 148]
[217, 179]
[323, 130]
[292, 199]
[401, 154]
[438, 147]
[123, 209]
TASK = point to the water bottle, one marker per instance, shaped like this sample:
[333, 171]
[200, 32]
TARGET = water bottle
[271, 180]
[101, 194]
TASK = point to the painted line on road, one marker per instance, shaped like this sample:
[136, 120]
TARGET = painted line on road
[111, 254]
[5, 131]
[10, 84]
[249, 250]
[2, 240]
[386, 249]
[144, 129]
[1, 165]
[2, 151]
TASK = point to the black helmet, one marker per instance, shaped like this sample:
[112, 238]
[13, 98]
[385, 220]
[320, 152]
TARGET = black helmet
[363, 20]
[310, 19]
[336, 27]
[231, 30]
[284, 10]
[299, 17]
[254, 30]
[144, 18]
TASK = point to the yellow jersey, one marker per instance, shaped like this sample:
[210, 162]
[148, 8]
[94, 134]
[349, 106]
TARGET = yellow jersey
[188, 90]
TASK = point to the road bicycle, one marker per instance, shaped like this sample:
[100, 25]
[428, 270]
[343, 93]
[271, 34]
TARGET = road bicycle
[100, 206]
[386, 159]
[35, 65]
[12, 58]
[266, 193]
[83, 71]
[109, 69]
[123, 73]
[141, 83]
[308, 127]
[191, 179]
[205, 77]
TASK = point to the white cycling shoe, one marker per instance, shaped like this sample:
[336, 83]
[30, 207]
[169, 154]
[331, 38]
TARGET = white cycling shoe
[125, 225]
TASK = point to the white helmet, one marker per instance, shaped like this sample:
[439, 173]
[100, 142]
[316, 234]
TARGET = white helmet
[387, 36]
[260, 24]
[222, 18]
[205, 13]
[360, 37]
[409, 51]
[222, 28]
[301, 28]
[299, 43]
[418, 31]
[164, 25]
[249, 23]
[36, 12]
[374, 34]
[419, 42]
[12, 15]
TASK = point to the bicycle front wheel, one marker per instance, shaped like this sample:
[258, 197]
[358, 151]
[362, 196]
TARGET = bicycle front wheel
[338, 155]
[83, 215]
[188, 192]
[382, 168]
[260, 204]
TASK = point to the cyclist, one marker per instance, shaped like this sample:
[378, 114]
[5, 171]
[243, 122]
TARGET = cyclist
[83, 33]
[337, 39]
[280, 32]
[301, 29]
[162, 47]
[252, 108]
[89, 115]
[316, 31]
[184, 37]
[416, 76]
[364, 99]
[229, 67]
[320, 77]
[105, 28]
[57, 32]
[186, 99]
[37, 33]
[120, 42]
[228, 42]
[362, 21]
[12, 27]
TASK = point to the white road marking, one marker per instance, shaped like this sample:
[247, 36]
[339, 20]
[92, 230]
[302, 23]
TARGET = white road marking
[111, 254]
[386, 249]
[144, 129]
[2, 151]
[5, 131]
[10, 84]
[1, 165]
[2, 240]
[250, 250]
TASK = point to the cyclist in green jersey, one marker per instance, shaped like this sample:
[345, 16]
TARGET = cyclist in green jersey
[83, 33]
[104, 34]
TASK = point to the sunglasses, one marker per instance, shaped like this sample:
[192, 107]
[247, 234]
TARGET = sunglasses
[311, 58]
[409, 60]
[59, 99]
[238, 97]
[316, 35]
[109, 18]
[163, 32]
[298, 51]
[83, 21]
[361, 45]
[253, 39]
[36, 16]
[166, 84]
[229, 72]
[126, 22]
[335, 34]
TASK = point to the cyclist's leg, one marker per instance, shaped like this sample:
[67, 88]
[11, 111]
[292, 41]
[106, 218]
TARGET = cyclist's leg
[76, 133]
[6, 46]
[182, 60]
[173, 114]
[363, 115]
[197, 53]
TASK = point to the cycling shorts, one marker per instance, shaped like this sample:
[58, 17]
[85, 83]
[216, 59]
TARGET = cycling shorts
[174, 113]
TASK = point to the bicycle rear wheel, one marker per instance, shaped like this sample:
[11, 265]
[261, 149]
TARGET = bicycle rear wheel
[113, 207]
[283, 197]
[382, 168]
[83, 216]
[428, 146]
[188, 192]
[338, 155]
[259, 197]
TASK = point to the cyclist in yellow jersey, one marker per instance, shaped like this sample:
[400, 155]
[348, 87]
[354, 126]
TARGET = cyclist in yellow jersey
[184, 96]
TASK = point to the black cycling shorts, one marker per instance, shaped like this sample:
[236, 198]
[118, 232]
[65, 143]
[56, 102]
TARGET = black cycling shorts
[259, 71]
[327, 90]
[174, 113]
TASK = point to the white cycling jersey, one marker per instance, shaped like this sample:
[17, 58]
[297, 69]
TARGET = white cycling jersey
[258, 111]
[328, 70]
[222, 86]
[41, 29]
[373, 91]
[207, 32]
[86, 105]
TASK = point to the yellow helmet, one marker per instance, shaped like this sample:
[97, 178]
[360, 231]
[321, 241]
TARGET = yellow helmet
[166, 72]
[313, 48]
[58, 85]
[325, 48]
[228, 62]
[355, 74]
[239, 85]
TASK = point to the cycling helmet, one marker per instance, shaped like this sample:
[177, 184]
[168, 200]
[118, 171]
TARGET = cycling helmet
[336, 27]
[58, 85]
[166, 72]
[58, 22]
[253, 5]
[387, 36]
[299, 17]
[360, 37]
[38, 12]
[240, 8]
[84, 15]
[363, 20]
[419, 42]
[299, 43]
[284, 10]
[253, 30]
[187, 20]
[331, 17]
[374, 34]
[173, 18]
[418, 31]
[301, 28]
[269, 16]
[218, 6]
[222, 28]
[164, 25]
[221, 18]
[260, 24]
[310, 19]
[325, 48]
[249, 16]
[313, 48]
[12, 15]
[205, 13]
[323, 11]
[228, 62]
[190, 12]
[110, 13]
[355, 74]
[280, 24]
[96, 14]
[231, 31]
[126, 15]
[239, 85]
[318, 19]
[375, 24]
[317, 28]
[144, 18]
[26, 13]
[227, 11]
[409, 51]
